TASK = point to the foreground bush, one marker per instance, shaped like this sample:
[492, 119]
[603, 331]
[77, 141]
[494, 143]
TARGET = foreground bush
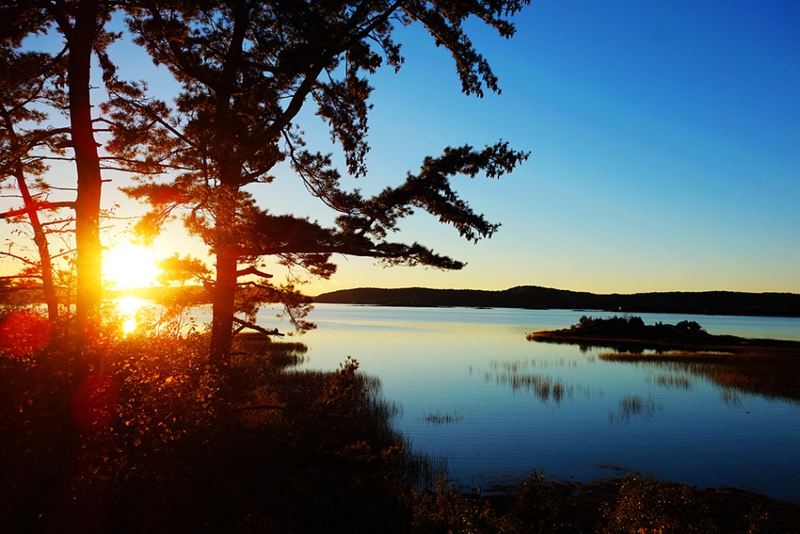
[156, 441]
[646, 506]
[446, 510]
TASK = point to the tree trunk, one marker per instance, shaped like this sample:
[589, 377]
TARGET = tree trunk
[39, 236]
[224, 297]
[40, 239]
[87, 162]
[224, 308]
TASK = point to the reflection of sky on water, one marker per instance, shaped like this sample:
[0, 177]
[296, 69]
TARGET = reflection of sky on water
[460, 362]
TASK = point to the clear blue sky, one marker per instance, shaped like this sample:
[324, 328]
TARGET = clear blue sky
[664, 140]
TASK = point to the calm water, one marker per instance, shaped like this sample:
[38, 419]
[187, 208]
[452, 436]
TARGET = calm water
[476, 392]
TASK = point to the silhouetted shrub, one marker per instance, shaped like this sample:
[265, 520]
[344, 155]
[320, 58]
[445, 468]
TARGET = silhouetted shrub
[533, 509]
[647, 506]
[445, 510]
[692, 326]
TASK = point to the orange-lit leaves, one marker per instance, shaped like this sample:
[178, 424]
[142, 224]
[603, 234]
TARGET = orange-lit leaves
[24, 332]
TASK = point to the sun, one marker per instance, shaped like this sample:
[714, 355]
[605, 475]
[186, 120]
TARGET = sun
[129, 266]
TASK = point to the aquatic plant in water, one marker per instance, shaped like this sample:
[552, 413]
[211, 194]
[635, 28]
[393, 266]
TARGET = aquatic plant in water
[635, 406]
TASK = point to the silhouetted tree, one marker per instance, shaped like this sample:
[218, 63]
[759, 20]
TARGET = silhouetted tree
[691, 326]
[81, 23]
[26, 86]
[247, 68]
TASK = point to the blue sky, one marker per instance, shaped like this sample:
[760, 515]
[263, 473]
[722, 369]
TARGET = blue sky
[664, 140]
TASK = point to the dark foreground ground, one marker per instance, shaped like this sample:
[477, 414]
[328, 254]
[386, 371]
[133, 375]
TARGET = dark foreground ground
[156, 441]
[633, 504]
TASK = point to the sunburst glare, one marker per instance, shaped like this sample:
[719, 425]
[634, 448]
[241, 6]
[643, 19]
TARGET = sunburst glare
[130, 266]
[128, 307]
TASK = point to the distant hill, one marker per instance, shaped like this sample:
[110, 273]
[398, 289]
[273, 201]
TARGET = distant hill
[535, 297]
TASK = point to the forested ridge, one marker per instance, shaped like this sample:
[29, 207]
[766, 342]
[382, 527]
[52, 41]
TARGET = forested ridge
[535, 297]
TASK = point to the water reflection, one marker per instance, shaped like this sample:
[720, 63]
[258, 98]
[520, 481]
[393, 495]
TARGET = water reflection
[673, 381]
[439, 418]
[675, 417]
[731, 397]
[128, 309]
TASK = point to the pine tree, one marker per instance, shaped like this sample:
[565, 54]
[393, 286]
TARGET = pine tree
[82, 25]
[246, 69]
[26, 87]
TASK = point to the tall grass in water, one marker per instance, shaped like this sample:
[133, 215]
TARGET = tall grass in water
[512, 375]
[771, 372]
[635, 406]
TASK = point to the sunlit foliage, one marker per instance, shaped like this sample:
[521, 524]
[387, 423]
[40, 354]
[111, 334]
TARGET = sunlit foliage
[182, 269]
[159, 442]
[24, 332]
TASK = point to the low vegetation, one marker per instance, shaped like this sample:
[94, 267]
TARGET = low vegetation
[766, 367]
[630, 332]
[157, 441]
[764, 371]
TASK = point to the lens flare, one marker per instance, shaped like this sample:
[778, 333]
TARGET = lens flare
[24, 332]
[94, 403]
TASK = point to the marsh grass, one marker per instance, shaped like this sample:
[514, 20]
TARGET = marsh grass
[279, 353]
[770, 372]
[543, 387]
[647, 506]
[516, 376]
[171, 445]
[439, 418]
[635, 407]
[674, 381]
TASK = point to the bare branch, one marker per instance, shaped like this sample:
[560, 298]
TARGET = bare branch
[17, 257]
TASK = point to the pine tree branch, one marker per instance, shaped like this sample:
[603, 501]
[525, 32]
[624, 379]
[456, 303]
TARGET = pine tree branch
[39, 207]
[253, 326]
[254, 271]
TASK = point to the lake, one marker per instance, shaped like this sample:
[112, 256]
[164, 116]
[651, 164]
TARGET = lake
[475, 392]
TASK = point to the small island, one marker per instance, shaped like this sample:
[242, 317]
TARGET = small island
[630, 333]
[764, 367]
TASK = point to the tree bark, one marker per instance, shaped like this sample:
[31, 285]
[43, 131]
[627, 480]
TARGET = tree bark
[80, 40]
[224, 309]
[224, 296]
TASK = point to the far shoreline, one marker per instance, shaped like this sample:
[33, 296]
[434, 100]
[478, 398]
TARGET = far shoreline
[541, 298]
